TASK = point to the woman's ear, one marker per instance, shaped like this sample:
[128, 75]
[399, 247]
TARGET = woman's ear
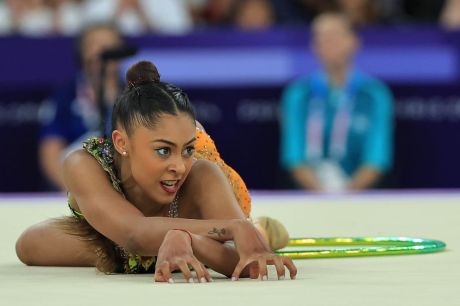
[120, 142]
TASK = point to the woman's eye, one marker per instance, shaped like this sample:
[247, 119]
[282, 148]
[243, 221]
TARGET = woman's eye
[189, 151]
[163, 151]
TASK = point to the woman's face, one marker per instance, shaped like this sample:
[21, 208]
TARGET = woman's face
[161, 157]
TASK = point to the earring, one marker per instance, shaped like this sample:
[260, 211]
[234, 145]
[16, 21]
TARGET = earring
[124, 153]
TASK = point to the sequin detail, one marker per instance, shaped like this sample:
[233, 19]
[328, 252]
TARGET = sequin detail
[173, 211]
[205, 149]
[103, 150]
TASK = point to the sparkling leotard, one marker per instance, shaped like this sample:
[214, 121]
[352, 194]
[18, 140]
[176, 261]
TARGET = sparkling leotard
[103, 151]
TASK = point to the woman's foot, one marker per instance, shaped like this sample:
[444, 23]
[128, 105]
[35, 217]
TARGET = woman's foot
[274, 232]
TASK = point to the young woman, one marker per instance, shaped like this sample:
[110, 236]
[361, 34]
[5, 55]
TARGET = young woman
[146, 201]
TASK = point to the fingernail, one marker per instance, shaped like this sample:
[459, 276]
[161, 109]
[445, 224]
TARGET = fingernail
[265, 277]
[190, 280]
[211, 280]
[233, 278]
[203, 280]
[281, 277]
[170, 281]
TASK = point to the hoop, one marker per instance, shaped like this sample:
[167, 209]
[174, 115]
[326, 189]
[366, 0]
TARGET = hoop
[370, 246]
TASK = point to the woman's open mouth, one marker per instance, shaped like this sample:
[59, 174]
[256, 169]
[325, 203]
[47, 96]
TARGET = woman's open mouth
[170, 186]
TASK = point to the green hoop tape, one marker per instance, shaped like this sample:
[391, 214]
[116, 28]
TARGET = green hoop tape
[369, 246]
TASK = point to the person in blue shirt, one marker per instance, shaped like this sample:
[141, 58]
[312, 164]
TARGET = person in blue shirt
[72, 113]
[337, 123]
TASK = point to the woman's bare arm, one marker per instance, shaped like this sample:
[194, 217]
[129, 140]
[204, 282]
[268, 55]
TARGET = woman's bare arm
[213, 194]
[117, 219]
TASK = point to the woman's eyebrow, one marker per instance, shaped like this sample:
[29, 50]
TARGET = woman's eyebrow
[172, 143]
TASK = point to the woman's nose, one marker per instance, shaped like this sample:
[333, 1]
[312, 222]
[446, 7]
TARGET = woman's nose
[177, 166]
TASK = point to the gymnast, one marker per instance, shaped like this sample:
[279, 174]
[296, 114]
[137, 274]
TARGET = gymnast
[156, 198]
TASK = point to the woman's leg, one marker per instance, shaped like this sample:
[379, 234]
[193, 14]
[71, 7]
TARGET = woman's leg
[45, 244]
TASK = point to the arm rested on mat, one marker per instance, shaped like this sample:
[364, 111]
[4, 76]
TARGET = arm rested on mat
[117, 219]
[213, 196]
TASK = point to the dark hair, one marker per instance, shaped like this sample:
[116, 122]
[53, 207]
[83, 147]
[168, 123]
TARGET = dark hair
[146, 98]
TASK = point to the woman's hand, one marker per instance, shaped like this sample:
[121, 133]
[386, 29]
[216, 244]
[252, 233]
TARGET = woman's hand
[176, 253]
[256, 255]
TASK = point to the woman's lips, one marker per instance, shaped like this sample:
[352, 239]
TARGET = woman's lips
[170, 186]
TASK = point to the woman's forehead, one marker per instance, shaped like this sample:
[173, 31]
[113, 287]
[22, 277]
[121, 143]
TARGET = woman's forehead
[172, 127]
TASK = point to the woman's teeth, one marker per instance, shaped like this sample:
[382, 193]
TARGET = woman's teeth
[169, 183]
[170, 186]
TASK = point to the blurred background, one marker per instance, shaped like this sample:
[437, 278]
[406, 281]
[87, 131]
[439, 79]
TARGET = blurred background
[234, 58]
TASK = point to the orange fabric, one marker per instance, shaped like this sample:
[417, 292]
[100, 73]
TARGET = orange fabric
[206, 149]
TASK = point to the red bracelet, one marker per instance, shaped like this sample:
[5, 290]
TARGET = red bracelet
[185, 231]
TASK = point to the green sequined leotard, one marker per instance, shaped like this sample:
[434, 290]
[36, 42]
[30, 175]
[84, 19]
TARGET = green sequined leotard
[102, 149]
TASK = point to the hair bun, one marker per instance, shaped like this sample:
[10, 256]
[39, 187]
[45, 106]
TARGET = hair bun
[141, 73]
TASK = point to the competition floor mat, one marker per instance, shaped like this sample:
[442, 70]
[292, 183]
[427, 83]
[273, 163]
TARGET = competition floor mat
[424, 279]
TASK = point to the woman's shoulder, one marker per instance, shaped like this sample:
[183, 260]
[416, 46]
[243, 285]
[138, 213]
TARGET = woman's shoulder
[84, 175]
[96, 156]
[202, 172]
[79, 161]
[203, 169]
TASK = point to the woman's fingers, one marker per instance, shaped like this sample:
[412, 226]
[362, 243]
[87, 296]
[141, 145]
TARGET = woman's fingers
[200, 271]
[183, 266]
[279, 265]
[262, 268]
[258, 267]
[206, 273]
[290, 265]
[237, 271]
[163, 273]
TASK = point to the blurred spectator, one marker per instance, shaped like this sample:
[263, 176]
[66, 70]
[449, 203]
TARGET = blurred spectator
[337, 123]
[300, 11]
[135, 17]
[6, 23]
[450, 17]
[361, 12]
[72, 111]
[39, 17]
[67, 18]
[253, 14]
[218, 12]
[30, 17]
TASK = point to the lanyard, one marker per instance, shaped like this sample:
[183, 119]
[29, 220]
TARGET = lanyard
[315, 127]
